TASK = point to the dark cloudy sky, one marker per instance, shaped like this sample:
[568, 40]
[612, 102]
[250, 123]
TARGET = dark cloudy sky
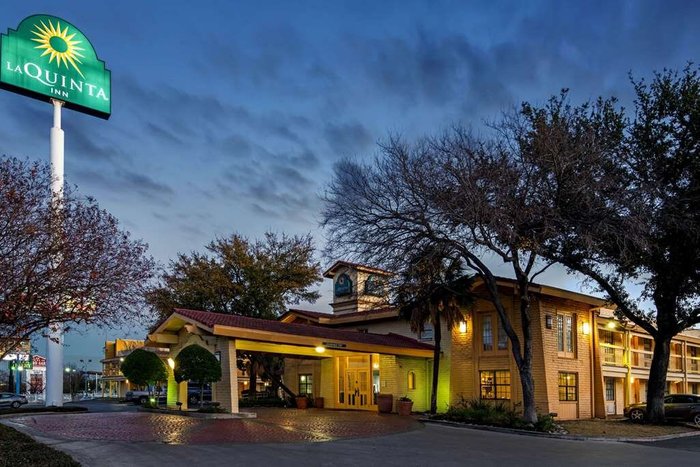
[228, 116]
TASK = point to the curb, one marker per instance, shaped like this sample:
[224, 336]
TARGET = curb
[516, 431]
[48, 412]
[211, 416]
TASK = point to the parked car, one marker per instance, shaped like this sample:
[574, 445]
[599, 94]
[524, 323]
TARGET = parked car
[676, 407]
[141, 396]
[193, 393]
[9, 399]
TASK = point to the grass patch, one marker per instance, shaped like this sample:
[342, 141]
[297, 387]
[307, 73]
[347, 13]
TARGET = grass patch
[18, 449]
[621, 428]
[35, 409]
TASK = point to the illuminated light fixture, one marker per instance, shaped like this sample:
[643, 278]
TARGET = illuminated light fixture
[153, 400]
[320, 349]
[375, 366]
[462, 327]
[611, 325]
[171, 363]
[121, 359]
[586, 328]
[632, 379]
[67, 370]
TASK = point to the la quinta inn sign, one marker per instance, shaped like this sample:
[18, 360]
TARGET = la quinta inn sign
[49, 58]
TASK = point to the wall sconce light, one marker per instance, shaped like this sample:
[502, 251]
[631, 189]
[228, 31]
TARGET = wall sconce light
[375, 366]
[320, 349]
[171, 363]
[586, 328]
[548, 321]
[462, 327]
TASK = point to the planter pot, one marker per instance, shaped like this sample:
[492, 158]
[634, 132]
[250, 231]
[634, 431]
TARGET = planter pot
[319, 402]
[385, 402]
[302, 402]
[404, 407]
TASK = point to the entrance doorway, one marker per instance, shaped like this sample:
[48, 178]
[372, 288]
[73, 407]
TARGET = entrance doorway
[354, 382]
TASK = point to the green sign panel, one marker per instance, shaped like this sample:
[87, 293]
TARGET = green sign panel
[47, 57]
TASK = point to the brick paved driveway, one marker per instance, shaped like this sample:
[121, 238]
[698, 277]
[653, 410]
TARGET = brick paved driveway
[271, 426]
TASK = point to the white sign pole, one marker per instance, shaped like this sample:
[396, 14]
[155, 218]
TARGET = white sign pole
[54, 341]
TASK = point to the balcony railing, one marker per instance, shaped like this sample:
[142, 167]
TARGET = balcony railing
[612, 355]
[641, 358]
[675, 363]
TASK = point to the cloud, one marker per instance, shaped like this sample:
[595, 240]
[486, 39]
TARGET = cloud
[347, 139]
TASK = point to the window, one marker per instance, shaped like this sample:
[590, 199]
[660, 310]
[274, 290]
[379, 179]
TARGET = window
[411, 380]
[609, 389]
[486, 333]
[502, 337]
[306, 384]
[495, 384]
[566, 335]
[568, 387]
[427, 333]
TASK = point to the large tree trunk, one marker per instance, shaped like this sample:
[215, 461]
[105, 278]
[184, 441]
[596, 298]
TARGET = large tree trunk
[656, 386]
[528, 387]
[437, 335]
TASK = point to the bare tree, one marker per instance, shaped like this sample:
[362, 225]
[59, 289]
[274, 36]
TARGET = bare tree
[626, 193]
[457, 192]
[92, 272]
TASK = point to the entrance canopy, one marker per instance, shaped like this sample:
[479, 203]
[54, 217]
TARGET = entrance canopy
[263, 335]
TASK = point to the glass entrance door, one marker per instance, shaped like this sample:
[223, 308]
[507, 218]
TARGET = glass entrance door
[357, 387]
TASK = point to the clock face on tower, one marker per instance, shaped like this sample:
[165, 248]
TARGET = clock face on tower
[343, 286]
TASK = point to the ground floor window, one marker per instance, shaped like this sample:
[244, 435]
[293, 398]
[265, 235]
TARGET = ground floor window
[495, 384]
[568, 386]
[306, 384]
[609, 389]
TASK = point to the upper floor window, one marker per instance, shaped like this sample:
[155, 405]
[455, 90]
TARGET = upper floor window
[343, 286]
[486, 333]
[492, 333]
[427, 332]
[566, 337]
[375, 285]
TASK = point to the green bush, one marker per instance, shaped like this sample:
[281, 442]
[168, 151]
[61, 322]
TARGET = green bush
[493, 413]
[211, 409]
[546, 423]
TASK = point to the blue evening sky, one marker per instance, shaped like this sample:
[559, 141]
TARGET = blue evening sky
[228, 116]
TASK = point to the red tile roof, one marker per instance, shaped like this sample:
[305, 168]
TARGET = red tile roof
[210, 320]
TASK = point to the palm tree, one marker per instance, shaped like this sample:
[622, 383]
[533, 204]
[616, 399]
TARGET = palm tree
[434, 289]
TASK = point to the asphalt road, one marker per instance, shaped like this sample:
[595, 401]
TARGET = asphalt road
[687, 444]
[431, 446]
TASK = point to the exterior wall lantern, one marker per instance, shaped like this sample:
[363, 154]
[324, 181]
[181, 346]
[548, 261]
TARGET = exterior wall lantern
[463, 326]
[586, 328]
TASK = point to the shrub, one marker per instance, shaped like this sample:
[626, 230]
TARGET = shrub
[484, 413]
[546, 423]
[211, 409]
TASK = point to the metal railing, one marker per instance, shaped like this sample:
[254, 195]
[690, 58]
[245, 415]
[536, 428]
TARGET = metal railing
[612, 355]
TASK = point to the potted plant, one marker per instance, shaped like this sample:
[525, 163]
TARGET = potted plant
[385, 402]
[302, 401]
[404, 405]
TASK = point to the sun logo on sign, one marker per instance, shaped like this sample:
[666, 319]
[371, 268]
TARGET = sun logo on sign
[56, 42]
